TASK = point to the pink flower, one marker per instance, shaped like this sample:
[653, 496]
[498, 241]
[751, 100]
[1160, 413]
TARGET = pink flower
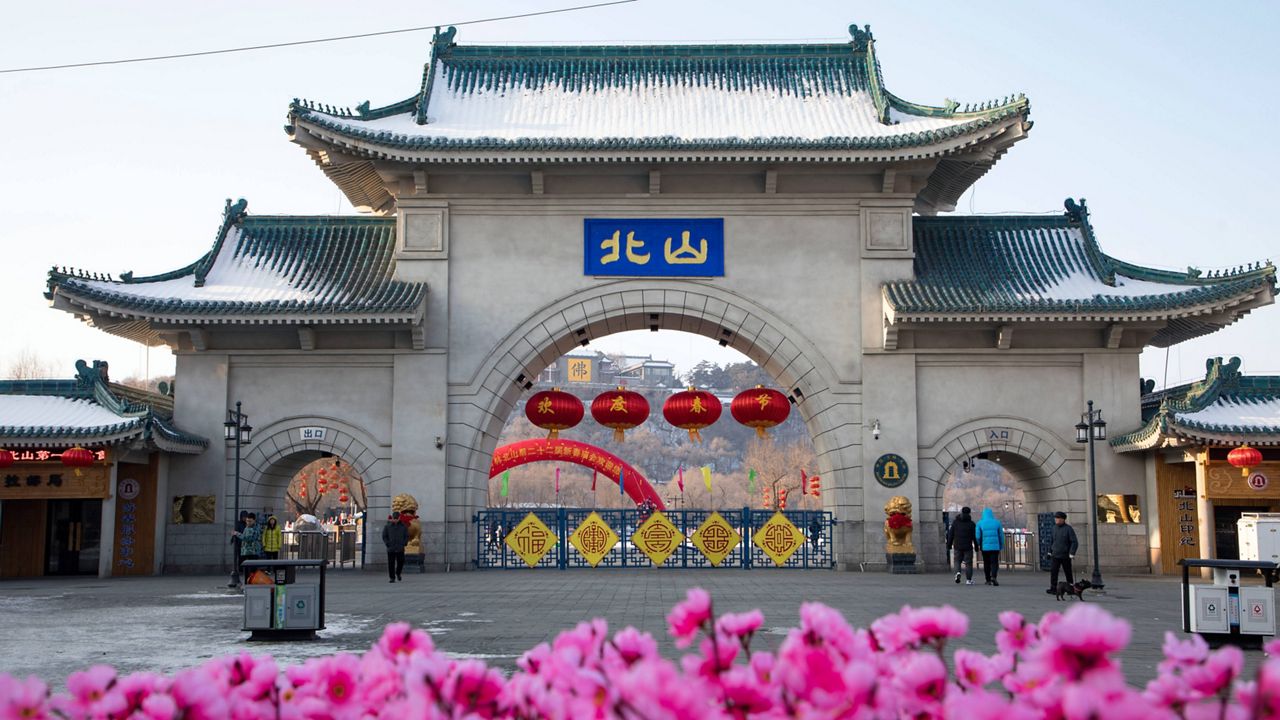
[1216, 673]
[975, 670]
[823, 625]
[921, 683]
[933, 624]
[979, 704]
[740, 625]
[23, 698]
[1083, 641]
[686, 618]
[87, 689]
[474, 688]
[1183, 653]
[1015, 635]
[400, 640]
[631, 646]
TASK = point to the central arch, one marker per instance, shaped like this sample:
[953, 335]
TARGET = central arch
[579, 453]
[480, 407]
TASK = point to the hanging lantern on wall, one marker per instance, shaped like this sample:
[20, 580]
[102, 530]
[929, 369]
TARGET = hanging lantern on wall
[1245, 458]
[692, 410]
[760, 408]
[343, 498]
[620, 410]
[6, 458]
[77, 457]
[554, 410]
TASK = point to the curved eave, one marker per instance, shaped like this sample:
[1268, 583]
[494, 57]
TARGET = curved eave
[1208, 316]
[118, 434]
[1161, 432]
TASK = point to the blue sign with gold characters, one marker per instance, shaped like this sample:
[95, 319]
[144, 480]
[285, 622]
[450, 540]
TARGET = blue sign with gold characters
[891, 470]
[654, 247]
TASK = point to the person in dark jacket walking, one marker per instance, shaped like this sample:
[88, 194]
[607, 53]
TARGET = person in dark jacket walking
[961, 542]
[991, 542]
[395, 535]
[1062, 551]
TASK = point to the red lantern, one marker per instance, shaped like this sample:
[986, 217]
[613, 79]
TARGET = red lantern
[554, 410]
[1245, 457]
[302, 493]
[782, 498]
[342, 498]
[761, 408]
[77, 457]
[621, 410]
[692, 410]
[6, 458]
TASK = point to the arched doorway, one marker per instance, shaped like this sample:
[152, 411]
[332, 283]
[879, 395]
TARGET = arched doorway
[832, 413]
[1046, 471]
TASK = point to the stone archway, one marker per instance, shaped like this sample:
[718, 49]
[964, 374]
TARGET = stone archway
[279, 451]
[1049, 471]
[479, 409]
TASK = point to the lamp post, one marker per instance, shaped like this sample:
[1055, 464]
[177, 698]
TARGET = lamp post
[236, 430]
[1092, 428]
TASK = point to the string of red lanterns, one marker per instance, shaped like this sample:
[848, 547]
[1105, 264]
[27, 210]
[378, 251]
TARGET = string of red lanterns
[554, 410]
[760, 408]
[692, 410]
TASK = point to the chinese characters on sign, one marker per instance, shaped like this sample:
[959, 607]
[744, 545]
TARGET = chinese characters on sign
[40, 483]
[716, 538]
[1186, 507]
[657, 538]
[531, 539]
[579, 370]
[311, 433]
[653, 247]
[594, 539]
[43, 455]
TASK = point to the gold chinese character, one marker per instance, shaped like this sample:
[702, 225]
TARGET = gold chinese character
[697, 406]
[613, 245]
[619, 404]
[544, 406]
[763, 399]
[610, 244]
[686, 254]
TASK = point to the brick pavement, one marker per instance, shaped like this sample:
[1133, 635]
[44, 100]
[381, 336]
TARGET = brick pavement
[54, 626]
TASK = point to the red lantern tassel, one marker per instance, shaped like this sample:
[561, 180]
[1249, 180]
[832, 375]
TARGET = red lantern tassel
[619, 435]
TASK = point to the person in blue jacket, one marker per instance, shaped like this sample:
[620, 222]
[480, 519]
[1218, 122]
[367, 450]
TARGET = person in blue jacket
[990, 537]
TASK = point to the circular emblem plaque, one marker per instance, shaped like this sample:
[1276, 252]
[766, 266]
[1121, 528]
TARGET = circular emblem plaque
[1258, 481]
[128, 488]
[891, 470]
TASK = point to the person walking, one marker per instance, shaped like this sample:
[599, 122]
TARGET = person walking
[962, 540]
[272, 539]
[235, 543]
[395, 535]
[1062, 550]
[991, 542]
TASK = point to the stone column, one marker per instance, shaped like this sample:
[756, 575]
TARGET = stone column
[1204, 509]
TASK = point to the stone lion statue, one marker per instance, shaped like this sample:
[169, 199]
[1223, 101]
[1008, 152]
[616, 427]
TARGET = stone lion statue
[406, 503]
[897, 525]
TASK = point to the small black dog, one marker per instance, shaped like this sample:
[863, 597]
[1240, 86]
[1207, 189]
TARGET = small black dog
[1065, 590]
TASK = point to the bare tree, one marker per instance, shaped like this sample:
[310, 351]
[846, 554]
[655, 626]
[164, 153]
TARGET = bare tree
[31, 365]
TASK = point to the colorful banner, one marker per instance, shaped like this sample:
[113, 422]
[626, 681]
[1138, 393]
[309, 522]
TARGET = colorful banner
[706, 477]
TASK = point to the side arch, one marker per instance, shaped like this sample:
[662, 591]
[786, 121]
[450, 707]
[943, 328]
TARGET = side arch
[277, 452]
[1049, 469]
[578, 453]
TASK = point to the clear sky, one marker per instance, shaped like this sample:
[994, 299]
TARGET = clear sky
[1161, 114]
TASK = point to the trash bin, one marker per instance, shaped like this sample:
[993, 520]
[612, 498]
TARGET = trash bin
[1226, 612]
[285, 609]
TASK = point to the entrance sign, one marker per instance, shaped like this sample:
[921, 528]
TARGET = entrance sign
[657, 538]
[594, 539]
[654, 247]
[891, 470]
[716, 538]
[579, 370]
[1258, 481]
[778, 538]
[531, 539]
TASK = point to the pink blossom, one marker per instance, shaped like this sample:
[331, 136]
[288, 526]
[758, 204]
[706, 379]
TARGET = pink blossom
[631, 646]
[740, 625]
[1083, 640]
[975, 670]
[921, 683]
[400, 640]
[932, 624]
[1216, 673]
[1016, 634]
[23, 698]
[86, 690]
[979, 704]
[1183, 653]
[687, 617]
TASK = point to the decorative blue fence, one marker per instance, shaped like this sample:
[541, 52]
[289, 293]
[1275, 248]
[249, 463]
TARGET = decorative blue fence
[493, 526]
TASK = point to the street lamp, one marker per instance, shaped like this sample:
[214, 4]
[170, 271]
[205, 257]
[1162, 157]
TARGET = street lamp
[237, 430]
[1090, 429]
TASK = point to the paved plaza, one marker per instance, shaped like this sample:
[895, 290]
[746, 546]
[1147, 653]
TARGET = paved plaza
[55, 626]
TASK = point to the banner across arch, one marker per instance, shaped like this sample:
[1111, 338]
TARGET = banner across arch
[602, 461]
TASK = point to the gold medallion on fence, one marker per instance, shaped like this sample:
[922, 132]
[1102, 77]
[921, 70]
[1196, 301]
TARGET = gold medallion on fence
[716, 538]
[531, 539]
[594, 539]
[778, 538]
[657, 538]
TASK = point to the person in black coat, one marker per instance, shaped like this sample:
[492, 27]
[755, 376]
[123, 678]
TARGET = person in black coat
[395, 535]
[962, 540]
[1062, 550]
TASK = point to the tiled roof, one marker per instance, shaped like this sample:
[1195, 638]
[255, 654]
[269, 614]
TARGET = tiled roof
[1007, 268]
[1226, 408]
[266, 269]
[85, 411]
[694, 97]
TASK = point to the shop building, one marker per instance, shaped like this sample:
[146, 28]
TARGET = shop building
[85, 468]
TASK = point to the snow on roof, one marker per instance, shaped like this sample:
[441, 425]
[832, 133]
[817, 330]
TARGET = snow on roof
[662, 107]
[1237, 412]
[45, 411]
[234, 277]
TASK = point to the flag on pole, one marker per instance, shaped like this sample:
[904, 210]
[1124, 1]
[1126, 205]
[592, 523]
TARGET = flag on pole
[557, 480]
[804, 483]
[622, 480]
[751, 480]
[680, 479]
[506, 479]
[706, 477]
[594, 474]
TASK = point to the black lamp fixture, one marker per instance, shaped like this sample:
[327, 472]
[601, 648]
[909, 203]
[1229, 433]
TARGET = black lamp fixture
[1093, 429]
[237, 430]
